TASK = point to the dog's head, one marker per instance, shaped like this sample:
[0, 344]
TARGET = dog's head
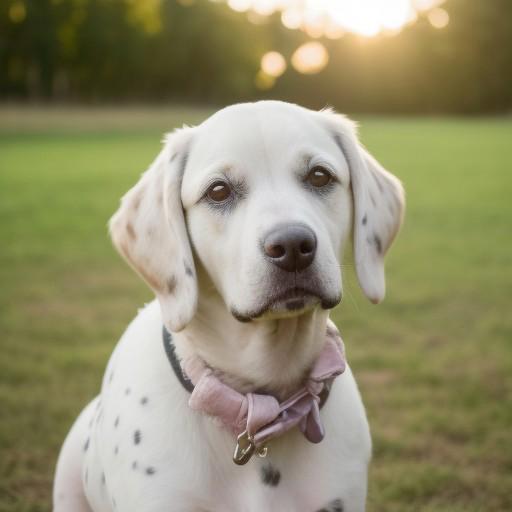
[266, 194]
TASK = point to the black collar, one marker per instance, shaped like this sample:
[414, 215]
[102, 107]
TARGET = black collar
[173, 359]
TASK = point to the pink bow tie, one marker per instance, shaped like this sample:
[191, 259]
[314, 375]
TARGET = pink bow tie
[256, 418]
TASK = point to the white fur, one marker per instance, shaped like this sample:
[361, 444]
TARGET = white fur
[183, 459]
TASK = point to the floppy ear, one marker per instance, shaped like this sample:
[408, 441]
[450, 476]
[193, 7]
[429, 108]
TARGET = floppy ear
[149, 231]
[378, 207]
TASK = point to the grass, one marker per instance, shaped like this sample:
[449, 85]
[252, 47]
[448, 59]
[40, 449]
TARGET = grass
[434, 361]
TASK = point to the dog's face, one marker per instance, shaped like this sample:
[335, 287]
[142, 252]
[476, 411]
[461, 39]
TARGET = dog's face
[266, 194]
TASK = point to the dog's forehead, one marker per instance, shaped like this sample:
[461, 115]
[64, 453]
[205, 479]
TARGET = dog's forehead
[256, 134]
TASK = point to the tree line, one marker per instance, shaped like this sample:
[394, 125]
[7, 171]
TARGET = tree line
[203, 52]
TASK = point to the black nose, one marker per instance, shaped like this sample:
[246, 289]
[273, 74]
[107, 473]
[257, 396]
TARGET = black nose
[291, 247]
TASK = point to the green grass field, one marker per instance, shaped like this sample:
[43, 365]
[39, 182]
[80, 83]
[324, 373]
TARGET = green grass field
[434, 361]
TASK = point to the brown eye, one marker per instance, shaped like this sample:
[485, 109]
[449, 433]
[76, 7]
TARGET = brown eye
[219, 191]
[318, 177]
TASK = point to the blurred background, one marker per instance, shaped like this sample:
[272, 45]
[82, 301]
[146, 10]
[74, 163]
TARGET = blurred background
[395, 56]
[88, 87]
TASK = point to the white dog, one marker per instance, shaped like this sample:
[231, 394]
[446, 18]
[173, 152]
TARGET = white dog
[238, 227]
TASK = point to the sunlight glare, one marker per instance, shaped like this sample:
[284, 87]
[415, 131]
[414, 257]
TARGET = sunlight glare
[332, 18]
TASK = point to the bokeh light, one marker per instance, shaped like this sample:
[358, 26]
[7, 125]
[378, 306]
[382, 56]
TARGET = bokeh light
[264, 7]
[438, 18]
[17, 12]
[332, 19]
[310, 58]
[240, 5]
[291, 18]
[273, 64]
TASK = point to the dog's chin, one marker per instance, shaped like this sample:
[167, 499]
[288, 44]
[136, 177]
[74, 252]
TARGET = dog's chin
[290, 307]
[293, 303]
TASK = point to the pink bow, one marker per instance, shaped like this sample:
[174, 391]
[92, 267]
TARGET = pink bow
[262, 416]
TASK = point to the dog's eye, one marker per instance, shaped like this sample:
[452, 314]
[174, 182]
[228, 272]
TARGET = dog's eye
[318, 177]
[218, 191]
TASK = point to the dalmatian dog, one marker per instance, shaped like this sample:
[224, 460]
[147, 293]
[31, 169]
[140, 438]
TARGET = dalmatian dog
[230, 392]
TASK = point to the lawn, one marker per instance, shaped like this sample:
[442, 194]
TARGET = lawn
[434, 361]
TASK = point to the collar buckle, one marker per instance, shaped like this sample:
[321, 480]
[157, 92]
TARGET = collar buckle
[244, 448]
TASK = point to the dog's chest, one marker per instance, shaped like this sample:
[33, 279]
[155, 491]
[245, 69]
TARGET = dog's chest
[148, 451]
[144, 458]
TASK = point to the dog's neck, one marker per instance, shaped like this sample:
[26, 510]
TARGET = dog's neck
[271, 355]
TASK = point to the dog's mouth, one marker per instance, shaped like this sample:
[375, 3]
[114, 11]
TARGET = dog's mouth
[289, 302]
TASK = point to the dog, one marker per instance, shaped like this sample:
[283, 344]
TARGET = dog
[209, 401]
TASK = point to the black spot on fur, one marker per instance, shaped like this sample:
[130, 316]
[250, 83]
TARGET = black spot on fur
[378, 243]
[334, 506]
[116, 423]
[144, 400]
[103, 480]
[150, 470]
[86, 444]
[134, 464]
[365, 219]
[137, 436]
[337, 506]
[270, 475]
[116, 450]
[188, 269]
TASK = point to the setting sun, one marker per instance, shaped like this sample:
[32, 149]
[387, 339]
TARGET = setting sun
[332, 18]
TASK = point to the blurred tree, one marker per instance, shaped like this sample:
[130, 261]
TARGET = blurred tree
[201, 51]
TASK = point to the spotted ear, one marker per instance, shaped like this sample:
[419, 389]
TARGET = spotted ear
[379, 204]
[149, 231]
